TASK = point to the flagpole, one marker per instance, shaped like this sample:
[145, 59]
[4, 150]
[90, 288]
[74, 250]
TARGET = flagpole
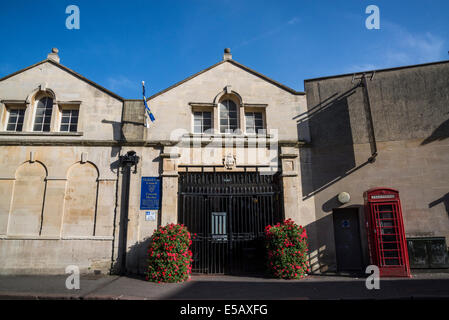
[147, 125]
[147, 109]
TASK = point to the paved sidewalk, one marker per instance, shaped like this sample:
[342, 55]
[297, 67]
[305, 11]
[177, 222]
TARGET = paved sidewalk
[422, 285]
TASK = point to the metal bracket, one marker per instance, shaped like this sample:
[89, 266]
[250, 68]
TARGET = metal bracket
[129, 159]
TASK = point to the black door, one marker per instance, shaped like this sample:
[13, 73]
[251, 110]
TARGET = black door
[228, 212]
[347, 239]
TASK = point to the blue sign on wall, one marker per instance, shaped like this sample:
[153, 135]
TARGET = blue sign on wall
[150, 193]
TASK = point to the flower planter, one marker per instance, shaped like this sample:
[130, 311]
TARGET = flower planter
[286, 245]
[169, 255]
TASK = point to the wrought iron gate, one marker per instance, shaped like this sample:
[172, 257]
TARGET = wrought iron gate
[228, 212]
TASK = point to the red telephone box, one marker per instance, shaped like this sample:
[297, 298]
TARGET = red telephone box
[385, 229]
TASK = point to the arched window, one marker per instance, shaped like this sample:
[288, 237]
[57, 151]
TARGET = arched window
[228, 116]
[44, 109]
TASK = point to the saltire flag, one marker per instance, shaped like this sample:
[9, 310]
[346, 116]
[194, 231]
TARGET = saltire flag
[147, 109]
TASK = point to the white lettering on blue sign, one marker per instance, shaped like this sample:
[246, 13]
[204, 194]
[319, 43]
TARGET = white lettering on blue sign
[150, 193]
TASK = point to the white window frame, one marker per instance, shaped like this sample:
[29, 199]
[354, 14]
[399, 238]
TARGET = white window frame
[69, 124]
[237, 112]
[210, 129]
[253, 112]
[8, 116]
[35, 114]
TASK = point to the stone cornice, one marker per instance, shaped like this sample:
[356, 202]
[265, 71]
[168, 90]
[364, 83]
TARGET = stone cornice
[288, 156]
[69, 102]
[202, 104]
[98, 238]
[46, 140]
[213, 105]
[170, 155]
[254, 105]
[289, 174]
[40, 134]
[21, 102]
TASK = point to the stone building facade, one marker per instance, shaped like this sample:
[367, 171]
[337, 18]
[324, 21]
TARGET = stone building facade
[58, 187]
[67, 199]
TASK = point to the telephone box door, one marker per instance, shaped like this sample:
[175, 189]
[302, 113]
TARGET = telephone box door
[388, 247]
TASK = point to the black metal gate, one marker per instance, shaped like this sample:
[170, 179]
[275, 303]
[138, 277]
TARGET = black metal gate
[228, 212]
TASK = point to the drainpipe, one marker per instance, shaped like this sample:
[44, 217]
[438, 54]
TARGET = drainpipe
[369, 116]
[126, 162]
[370, 120]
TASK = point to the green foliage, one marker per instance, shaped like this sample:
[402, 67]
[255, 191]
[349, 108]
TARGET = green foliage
[286, 245]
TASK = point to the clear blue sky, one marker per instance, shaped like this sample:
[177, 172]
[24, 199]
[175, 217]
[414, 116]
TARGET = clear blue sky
[121, 43]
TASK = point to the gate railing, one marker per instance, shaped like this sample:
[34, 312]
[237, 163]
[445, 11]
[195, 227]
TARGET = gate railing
[228, 212]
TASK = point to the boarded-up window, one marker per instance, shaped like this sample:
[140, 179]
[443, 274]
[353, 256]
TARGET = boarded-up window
[28, 200]
[80, 200]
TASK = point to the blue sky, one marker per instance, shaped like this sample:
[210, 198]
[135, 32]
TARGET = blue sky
[121, 43]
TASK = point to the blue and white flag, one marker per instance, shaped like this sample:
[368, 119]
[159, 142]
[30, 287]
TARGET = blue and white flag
[147, 109]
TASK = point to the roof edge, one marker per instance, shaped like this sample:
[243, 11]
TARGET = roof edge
[79, 76]
[185, 80]
[378, 70]
[237, 64]
[274, 82]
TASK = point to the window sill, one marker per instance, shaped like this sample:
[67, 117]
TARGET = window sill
[30, 133]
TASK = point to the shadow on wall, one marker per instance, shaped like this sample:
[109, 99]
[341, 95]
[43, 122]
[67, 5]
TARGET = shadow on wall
[330, 131]
[322, 246]
[321, 255]
[444, 199]
[136, 259]
[440, 133]
[117, 131]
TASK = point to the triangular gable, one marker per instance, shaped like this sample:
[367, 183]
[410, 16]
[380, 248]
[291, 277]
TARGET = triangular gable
[77, 75]
[239, 65]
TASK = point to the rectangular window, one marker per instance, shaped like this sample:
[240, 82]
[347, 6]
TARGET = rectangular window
[254, 122]
[69, 120]
[202, 121]
[15, 120]
[219, 231]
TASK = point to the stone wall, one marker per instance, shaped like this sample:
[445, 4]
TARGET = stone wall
[56, 199]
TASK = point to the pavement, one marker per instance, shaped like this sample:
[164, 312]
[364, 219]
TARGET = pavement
[422, 285]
